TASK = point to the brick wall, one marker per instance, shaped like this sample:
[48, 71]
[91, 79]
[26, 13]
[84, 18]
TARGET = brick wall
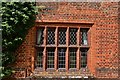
[104, 34]
[119, 36]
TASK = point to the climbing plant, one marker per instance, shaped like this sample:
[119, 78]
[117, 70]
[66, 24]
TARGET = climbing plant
[17, 19]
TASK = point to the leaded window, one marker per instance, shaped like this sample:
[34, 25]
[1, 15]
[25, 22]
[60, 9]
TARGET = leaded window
[62, 36]
[73, 36]
[61, 57]
[72, 58]
[40, 58]
[83, 57]
[84, 36]
[40, 36]
[60, 47]
[51, 36]
[50, 57]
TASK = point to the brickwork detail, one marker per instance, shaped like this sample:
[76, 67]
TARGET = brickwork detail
[104, 57]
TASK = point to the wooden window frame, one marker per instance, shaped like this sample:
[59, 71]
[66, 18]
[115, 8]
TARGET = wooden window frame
[67, 45]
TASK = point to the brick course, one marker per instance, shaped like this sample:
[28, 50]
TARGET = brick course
[104, 48]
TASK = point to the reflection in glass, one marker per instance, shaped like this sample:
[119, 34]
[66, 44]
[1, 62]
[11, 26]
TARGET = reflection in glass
[84, 37]
[40, 36]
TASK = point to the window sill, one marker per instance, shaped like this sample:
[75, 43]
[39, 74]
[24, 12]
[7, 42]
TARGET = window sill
[50, 69]
[61, 70]
[73, 69]
[39, 69]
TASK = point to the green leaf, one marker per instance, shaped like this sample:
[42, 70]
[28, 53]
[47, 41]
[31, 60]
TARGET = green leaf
[17, 19]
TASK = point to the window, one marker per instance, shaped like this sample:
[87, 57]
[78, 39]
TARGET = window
[62, 36]
[84, 36]
[40, 36]
[83, 57]
[50, 57]
[72, 58]
[61, 57]
[40, 58]
[63, 47]
[73, 36]
[51, 36]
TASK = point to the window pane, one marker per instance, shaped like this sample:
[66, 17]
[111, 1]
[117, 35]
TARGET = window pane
[83, 58]
[50, 57]
[40, 58]
[51, 36]
[62, 36]
[40, 36]
[61, 57]
[84, 37]
[73, 36]
[72, 58]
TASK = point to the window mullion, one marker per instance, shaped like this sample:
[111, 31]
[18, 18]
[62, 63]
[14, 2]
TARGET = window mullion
[78, 59]
[56, 50]
[67, 37]
[78, 51]
[78, 37]
[67, 52]
[56, 59]
[44, 59]
[44, 52]
[56, 36]
[67, 59]
[45, 36]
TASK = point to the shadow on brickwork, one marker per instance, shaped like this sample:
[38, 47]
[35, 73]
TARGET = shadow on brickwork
[60, 79]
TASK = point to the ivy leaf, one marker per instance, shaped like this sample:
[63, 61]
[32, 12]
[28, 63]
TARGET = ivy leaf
[17, 19]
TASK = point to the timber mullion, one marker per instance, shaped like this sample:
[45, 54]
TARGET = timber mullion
[45, 36]
[67, 51]
[78, 37]
[44, 59]
[45, 52]
[56, 50]
[67, 37]
[78, 59]
[56, 59]
[56, 36]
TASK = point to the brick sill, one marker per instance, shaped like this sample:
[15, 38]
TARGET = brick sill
[50, 70]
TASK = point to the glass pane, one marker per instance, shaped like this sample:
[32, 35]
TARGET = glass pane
[61, 57]
[62, 36]
[73, 36]
[51, 36]
[50, 57]
[40, 36]
[84, 37]
[40, 58]
[72, 58]
[84, 58]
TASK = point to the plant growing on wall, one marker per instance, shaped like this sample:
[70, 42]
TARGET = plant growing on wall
[17, 19]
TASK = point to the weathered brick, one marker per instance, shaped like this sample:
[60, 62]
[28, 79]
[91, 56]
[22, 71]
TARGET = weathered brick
[105, 32]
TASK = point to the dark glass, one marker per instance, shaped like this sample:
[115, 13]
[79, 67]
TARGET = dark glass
[72, 57]
[61, 57]
[40, 58]
[62, 36]
[51, 36]
[50, 58]
[84, 58]
[73, 36]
